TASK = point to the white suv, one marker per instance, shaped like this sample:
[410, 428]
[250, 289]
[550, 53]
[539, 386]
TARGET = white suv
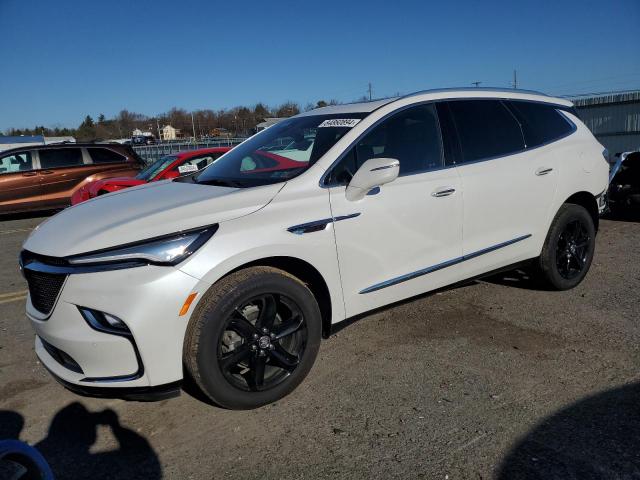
[232, 275]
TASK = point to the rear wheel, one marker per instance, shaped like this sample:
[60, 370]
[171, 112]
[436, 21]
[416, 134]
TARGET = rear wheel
[568, 249]
[253, 338]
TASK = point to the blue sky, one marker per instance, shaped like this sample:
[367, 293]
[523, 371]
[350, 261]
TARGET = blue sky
[61, 60]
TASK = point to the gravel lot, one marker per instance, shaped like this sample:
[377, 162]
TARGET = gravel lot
[491, 380]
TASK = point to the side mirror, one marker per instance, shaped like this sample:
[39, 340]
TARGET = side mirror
[375, 172]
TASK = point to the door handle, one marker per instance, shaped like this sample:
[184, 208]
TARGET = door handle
[29, 174]
[543, 171]
[47, 172]
[443, 192]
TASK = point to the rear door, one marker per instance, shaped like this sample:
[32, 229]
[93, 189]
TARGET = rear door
[507, 188]
[61, 169]
[19, 183]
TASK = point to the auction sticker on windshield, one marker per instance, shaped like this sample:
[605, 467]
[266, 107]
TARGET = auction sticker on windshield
[340, 122]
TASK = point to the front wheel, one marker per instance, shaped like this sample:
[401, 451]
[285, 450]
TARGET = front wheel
[568, 249]
[253, 338]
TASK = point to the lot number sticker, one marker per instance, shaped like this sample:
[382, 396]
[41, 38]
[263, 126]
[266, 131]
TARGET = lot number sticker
[187, 168]
[340, 122]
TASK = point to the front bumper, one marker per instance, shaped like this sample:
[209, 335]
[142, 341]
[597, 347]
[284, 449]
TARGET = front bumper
[147, 299]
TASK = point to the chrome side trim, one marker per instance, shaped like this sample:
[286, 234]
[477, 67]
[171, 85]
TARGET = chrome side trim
[440, 266]
[318, 225]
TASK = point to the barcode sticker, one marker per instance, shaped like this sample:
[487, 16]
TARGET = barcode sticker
[340, 122]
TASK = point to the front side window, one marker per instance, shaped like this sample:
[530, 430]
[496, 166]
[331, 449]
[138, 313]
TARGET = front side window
[540, 123]
[485, 129]
[16, 162]
[104, 155]
[411, 136]
[280, 152]
[60, 157]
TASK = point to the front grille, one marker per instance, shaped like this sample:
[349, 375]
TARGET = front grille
[61, 357]
[44, 289]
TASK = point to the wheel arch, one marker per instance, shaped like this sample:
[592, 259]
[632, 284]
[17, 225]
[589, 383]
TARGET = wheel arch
[589, 202]
[305, 272]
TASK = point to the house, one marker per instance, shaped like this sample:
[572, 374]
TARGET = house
[267, 123]
[169, 133]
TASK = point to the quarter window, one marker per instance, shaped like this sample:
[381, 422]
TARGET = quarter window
[104, 155]
[486, 129]
[411, 136]
[60, 157]
[16, 162]
[540, 123]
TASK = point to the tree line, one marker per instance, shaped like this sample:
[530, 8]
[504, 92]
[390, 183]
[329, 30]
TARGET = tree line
[238, 121]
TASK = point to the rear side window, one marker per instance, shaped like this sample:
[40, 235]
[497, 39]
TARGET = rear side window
[60, 157]
[104, 155]
[540, 123]
[16, 162]
[486, 129]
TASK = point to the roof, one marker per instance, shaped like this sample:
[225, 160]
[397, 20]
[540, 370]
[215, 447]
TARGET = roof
[441, 93]
[52, 146]
[270, 121]
[22, 139]
[607, 98]
[199, 151]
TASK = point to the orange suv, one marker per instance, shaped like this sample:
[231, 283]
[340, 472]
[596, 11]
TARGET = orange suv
[43, 177]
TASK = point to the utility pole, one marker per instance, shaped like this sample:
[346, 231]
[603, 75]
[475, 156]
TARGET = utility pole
[370, 92]
[193, 126]
[515, 79]
[476, 84]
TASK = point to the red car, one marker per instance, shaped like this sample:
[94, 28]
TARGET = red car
[165, 168]
[183, 163]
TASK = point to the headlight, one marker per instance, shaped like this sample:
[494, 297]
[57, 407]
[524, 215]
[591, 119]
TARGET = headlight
[165, 250]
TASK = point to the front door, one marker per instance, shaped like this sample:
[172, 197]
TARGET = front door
[61, 170]
[400, 239]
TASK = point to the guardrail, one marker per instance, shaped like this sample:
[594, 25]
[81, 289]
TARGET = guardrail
[150, 153]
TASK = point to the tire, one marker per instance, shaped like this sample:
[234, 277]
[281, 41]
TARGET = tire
[231, 359]
[571, 237]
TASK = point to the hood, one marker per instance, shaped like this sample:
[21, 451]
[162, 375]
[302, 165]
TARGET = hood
[95, 187]
[147, 211]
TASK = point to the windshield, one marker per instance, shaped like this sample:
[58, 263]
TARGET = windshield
[149, 172]
[280, 152]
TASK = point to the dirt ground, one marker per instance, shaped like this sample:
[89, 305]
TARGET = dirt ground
[491, 380]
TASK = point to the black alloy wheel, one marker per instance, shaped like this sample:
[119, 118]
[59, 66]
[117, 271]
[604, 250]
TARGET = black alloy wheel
[262, 342]
[568, 248]
[572, 249]
[253, 337]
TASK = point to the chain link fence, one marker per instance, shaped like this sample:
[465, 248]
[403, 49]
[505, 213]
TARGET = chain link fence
[150, 153]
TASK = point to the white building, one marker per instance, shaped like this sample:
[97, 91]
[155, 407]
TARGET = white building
[169, 133]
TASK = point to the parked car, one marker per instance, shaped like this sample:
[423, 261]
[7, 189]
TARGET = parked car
[164, 168]
[234, 274]
[624, 182]
[143, 140]
[184, 163]
[43, 177]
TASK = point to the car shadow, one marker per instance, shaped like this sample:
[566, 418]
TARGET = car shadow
[27, 215]
[72, 433]
[518, 278]
[595, 438]
[632, 216]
